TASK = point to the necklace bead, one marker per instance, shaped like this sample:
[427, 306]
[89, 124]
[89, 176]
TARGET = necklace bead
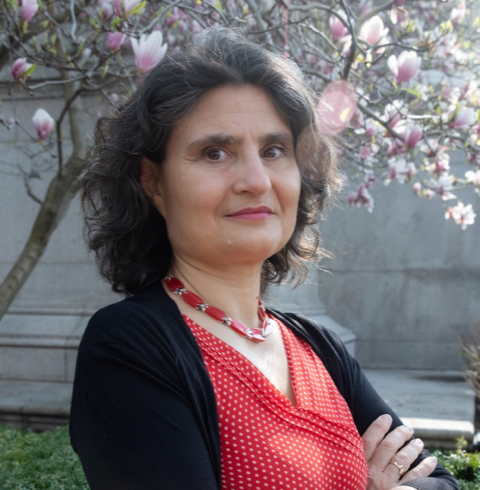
[192, 299]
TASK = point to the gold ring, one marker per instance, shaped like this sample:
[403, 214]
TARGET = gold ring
[400, 467]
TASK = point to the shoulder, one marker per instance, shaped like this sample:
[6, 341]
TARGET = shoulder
[149, 317]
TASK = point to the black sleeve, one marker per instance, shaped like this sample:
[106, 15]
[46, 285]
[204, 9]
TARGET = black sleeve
[366, 406]
[132, 425]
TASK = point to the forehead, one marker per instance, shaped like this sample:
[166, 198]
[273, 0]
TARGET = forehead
[237, 111]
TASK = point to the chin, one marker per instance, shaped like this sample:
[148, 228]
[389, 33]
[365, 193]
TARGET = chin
[252, 251]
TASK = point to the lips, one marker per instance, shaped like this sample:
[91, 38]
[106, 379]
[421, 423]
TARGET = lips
[260, 212]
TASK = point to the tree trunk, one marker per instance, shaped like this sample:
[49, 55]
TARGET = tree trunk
[60, 193]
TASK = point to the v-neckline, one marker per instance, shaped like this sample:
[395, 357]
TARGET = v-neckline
[236, 353]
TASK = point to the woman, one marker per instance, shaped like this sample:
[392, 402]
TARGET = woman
[202, 190]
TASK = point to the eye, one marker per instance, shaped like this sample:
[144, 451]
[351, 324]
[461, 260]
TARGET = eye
[215, 154]
[275, 152]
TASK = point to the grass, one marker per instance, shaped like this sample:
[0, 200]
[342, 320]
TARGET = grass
[32, 461]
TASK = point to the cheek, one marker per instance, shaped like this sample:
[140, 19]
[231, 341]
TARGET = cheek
[292, 192]
[190, 206]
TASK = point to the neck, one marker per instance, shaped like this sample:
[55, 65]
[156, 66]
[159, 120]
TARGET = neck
[233, 291]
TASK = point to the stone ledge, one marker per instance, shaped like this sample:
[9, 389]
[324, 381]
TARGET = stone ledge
[33, 404]
[441, 434]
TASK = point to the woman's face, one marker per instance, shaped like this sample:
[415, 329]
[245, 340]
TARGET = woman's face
[230, 184]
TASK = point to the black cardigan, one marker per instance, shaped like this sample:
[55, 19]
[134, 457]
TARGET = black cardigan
[144, 413]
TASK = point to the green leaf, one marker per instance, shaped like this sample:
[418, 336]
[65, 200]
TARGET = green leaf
[218, 6]
[105, 71]
[115, 23]
[53, 38]
[455, 113]
[80, 49]
[28, 72]
[137, 9]
[417, 94]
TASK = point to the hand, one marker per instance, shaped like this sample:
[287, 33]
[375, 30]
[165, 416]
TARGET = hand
[381, 451]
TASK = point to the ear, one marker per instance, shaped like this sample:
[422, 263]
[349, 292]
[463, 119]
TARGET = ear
[149, 176]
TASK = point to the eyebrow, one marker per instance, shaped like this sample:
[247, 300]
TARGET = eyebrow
[228, 139]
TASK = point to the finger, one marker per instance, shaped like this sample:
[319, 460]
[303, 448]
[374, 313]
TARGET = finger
[374, 435]
[423, 470]
[405, 457]
[388, 448]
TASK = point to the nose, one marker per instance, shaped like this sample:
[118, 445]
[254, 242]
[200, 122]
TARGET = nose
[252, 174]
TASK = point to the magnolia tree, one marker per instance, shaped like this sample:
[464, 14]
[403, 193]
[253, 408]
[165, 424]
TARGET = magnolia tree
[397, 83]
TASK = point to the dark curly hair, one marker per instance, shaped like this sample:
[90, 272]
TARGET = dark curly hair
[126, 232]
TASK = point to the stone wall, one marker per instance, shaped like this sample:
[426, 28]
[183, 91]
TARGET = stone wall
[404, 279]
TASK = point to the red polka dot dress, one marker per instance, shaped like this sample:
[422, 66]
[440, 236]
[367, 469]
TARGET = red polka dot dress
[266, 441]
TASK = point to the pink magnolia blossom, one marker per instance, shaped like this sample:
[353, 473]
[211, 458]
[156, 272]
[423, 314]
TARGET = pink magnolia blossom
[451, 94]
[148, 51]
[10, 122]
[399, 3]
[373, 31]
[44, 123]
[106, 8]
[474, 158]
[464, 118]
[29, 9]
[461, 214]
[371, 128]
[401, 170]
[336, 106]
[176, 15]
[361, 198]
[405, 67]
[473, 177]
[417, 188]
[364, 7]
[128, 6]
[471, 92]
[393, 113]
[398, 15]
[441, 165]
[443, 186]
[338, 28]
[413, 134]
[365, 152]
[457, 15]
[395, 147]
[19, 67]
[346, 45]
[429, 193]
[311, 59]
[115, 40]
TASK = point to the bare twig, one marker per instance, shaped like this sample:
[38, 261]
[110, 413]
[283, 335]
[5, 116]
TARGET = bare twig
[30, 193]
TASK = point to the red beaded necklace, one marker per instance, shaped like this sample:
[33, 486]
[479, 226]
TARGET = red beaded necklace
[254, 334]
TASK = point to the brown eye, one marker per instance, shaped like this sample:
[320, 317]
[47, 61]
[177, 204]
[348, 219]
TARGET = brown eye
[215, 154]
[274, 152]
